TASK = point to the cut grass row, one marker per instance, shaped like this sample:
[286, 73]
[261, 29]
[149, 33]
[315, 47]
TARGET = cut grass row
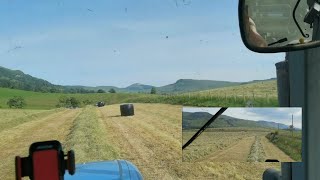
[20, 116]
[87, 138]
[257, 153]
[213, 141]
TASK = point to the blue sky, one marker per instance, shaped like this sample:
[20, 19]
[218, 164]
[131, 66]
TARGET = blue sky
[121, 42]
[279, 115]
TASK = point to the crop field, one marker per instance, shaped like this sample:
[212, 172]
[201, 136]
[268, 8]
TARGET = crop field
[265, 89]
[261, 94]
[232, 144]
[151, 140]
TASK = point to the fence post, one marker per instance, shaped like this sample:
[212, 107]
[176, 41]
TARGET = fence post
[225, 95]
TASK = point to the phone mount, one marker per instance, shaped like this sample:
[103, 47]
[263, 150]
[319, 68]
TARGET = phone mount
[46, 160]
[313, 13]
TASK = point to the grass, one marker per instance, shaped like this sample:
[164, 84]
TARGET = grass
[35, 100]
[151, 140]
[214, 140]
[12, 118]
[256, 153]
[16, 140]
[266, 89]
[87, 138]
[291, 145]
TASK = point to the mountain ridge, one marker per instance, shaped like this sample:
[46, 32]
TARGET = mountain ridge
[16, 79]
[197, 119]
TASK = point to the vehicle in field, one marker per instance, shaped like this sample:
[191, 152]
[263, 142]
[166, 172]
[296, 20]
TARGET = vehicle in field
[100, 104]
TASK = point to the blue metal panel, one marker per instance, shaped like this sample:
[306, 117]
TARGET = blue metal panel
[117, 169]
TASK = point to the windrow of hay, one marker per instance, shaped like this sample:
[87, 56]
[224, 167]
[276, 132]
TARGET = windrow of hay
[87, 138]
[212, 142]
[12, 118]
[257, 153]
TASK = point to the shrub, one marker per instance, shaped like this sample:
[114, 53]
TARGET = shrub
[153, 90]
[68, 102]
[112, 90]
[16, 102]
[101, 91]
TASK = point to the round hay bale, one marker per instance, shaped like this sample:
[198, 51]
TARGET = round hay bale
[127, 110]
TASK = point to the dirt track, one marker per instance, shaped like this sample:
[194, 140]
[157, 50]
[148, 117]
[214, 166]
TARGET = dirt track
[272, 151]
[242, 150]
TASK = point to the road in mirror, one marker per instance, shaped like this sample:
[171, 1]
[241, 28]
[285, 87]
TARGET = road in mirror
[243, 134]
[276, 23]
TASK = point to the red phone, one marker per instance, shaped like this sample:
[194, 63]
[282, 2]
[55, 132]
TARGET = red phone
[46, 165]
[46, 160]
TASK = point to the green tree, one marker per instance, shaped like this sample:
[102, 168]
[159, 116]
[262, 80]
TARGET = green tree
[68, 102]
[112, 90]
[74, 102]
[153, 90]
[16, 102]
[101, 91]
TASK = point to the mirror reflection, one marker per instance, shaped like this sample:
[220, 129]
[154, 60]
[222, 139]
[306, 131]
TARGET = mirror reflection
[276, 23]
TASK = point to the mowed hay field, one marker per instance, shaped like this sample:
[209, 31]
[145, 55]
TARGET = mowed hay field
[232, 144]
[152, 140]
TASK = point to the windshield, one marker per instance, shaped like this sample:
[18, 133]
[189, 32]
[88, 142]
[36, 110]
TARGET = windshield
[68, 67]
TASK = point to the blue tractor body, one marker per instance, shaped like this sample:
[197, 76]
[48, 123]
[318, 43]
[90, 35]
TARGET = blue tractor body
[117, 169]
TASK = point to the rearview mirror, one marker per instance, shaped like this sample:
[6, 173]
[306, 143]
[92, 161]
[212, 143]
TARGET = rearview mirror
[269, 26]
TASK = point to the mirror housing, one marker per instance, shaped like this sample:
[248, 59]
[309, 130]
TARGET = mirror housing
[263, 25]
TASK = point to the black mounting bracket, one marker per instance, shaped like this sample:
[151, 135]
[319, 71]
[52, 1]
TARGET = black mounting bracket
[313, 13]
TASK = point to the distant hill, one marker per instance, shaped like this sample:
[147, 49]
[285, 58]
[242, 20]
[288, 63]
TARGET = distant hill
[197, 119]
[182, 85]
[188, 85]
[272, 124]
[16, 79]
[256, 81]
[138, 88]
[134, 88]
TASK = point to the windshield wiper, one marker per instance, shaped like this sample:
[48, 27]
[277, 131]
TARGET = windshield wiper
[204, 127]
[279, 41]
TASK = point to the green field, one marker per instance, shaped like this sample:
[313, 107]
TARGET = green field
[288, 142]
[237, 96]
[264, 89]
